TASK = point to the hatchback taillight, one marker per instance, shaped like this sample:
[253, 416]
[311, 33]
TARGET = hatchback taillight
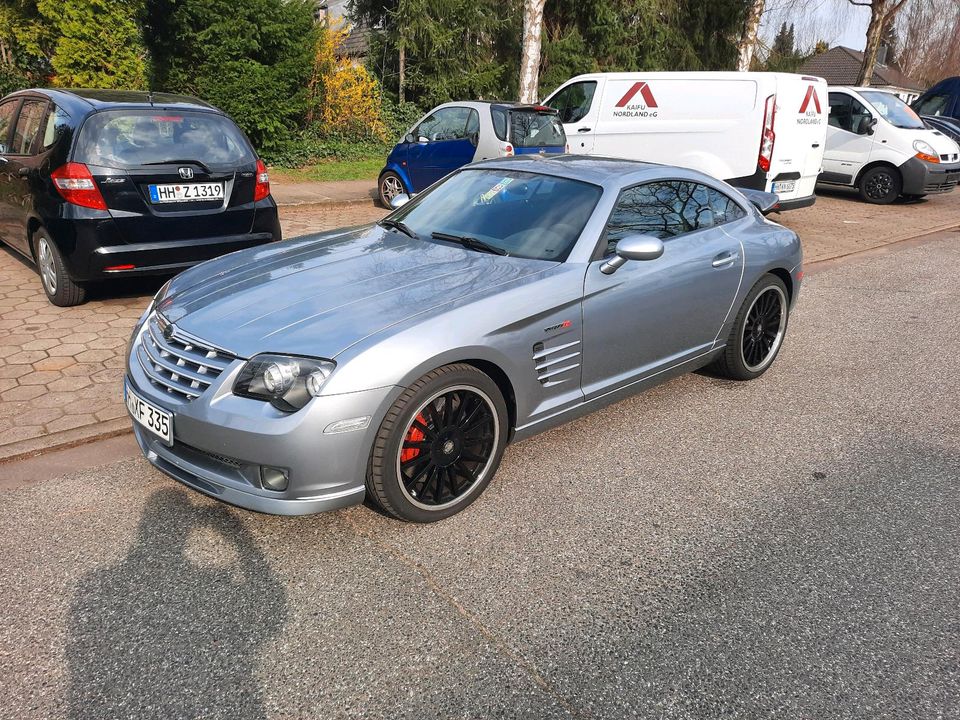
[75, 183]
[768, 137]
[262, 188]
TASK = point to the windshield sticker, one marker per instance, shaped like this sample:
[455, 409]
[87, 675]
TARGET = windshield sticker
[492, 192]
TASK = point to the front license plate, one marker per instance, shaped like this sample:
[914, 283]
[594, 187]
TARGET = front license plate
[190, 192]
[784, 186]
[157, 421]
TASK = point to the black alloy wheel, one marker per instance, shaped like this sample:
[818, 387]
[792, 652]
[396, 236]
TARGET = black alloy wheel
[763, 329]
[881, 185]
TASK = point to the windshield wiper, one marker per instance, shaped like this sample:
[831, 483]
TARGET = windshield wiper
[471, 243]
[398, 225]
[180, 162]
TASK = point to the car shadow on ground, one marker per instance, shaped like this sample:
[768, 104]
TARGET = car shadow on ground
[174, 629]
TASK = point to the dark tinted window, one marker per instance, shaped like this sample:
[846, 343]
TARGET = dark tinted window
[529, 128]
[56, 123]
[6, 119]
[499, 122]
[473, 123]
[28, 125]
[128, 138]
[445, 124]
[667, 209]
[847, 113]
[525, 214]
[933, 105]
[573, 102]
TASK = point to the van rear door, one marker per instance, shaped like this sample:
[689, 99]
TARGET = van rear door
[800, 126]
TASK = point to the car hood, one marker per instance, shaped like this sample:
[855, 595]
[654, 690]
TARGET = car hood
[318, 295]
[940, 142]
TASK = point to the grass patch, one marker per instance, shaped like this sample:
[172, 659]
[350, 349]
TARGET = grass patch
[332, 170]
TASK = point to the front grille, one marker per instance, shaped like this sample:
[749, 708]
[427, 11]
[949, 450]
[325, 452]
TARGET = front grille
[950, 158]
[179, 365]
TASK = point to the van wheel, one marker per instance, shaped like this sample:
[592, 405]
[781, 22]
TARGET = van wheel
[58, 286]
[880, 185]
[390, 185]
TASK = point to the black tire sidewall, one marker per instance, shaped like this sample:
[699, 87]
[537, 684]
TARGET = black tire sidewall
[895, 189]
[734, 365]
[68, 292]
[383, 481]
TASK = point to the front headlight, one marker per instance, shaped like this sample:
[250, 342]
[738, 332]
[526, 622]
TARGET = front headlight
[925, 151]
[287, 383]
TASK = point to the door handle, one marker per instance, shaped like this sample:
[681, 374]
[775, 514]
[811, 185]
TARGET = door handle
[584, 129]
[815, 145]
[724, 259]
[23, 172]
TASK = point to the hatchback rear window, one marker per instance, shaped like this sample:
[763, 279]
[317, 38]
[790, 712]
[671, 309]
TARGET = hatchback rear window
[529, 128]
[130, 138]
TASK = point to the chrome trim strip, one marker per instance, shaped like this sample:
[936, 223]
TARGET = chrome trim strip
[557, 348]
[544, 366]
[154, 376]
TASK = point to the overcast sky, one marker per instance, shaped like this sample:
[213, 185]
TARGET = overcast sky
[836, 21]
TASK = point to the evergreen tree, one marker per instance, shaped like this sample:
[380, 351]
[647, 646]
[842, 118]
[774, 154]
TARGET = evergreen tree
[99, 43]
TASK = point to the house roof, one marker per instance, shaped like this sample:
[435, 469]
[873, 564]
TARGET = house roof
[841, 66]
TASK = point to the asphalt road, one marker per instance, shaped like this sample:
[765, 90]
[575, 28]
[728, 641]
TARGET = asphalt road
[786, 548]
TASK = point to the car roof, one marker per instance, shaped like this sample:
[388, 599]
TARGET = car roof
[598, 170]
[81, 100]
[505, 104]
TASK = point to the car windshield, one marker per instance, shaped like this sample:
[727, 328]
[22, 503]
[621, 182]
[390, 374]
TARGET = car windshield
[130, 138]
[524, 214]
[893, 109]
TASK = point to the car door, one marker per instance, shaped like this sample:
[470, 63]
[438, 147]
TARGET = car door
[849, 145]
[21, 172]
[578, 105]
[444, 144]
[650, 315]
[8, 176]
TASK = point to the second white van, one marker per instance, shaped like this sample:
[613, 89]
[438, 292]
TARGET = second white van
[764, 131]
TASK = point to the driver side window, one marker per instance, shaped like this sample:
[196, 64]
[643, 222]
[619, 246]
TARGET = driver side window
[445, 124]
[848, 114]
[574, 101]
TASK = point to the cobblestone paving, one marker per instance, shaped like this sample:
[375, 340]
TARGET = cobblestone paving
[60, 368]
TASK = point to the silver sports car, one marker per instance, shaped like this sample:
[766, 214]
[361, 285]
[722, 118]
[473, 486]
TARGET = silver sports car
[396, 361]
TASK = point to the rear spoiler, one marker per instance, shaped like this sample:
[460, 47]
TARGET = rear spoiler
[765, 202]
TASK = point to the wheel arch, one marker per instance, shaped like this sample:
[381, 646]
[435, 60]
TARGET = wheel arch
[871, 166]
[502, 380]
[400, 173]
[784, 275]
[33, 224]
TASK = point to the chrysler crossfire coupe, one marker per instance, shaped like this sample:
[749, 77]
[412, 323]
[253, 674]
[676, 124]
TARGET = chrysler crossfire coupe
[394, 362]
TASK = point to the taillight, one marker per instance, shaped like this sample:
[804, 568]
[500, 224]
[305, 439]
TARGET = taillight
[75, 183]
[508, 150]
[767, 137]
[262, 188]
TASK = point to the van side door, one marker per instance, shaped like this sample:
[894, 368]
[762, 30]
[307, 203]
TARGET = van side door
[579, 106]
[849, 144]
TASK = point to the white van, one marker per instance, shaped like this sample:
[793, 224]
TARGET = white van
[757, 130]
[878, 145]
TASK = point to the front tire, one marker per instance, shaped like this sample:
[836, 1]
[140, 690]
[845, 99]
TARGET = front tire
[439, 445]
[758, 331]
[880, 185]
[389, 186]
[60, 289]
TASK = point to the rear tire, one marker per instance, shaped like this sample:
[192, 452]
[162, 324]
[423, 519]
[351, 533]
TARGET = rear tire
[758, 331]
[60, 289]
[439, 445]
[880, 185]
[389, 186]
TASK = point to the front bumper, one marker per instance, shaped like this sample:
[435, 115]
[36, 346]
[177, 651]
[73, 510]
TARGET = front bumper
[221, 441]
[922, 178]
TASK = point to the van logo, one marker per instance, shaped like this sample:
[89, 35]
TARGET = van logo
[811, 95]
[638, 87]
[186, 173]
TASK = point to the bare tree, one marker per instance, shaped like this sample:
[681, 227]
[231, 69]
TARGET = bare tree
[882, 13]
[530, 50]
[748, 38]
[928, 32]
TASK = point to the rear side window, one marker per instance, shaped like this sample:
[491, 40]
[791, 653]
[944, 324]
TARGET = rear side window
[6, 119]
[529, 128]
[574, 101]
[56, 124]
[28, 126]
[130, 138]
[499, 116]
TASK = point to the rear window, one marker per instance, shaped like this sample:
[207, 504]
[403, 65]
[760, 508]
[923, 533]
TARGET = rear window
[130, 138]
[529, 128]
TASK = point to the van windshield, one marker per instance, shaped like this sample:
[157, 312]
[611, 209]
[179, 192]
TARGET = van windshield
[130, 138]
[893, 109]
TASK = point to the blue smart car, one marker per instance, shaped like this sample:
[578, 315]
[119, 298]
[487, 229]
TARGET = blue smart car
[457, 133]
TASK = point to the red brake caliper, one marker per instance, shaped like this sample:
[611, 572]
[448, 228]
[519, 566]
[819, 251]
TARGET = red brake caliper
[414, 434]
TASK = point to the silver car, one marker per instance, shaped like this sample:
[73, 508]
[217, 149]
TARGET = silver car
[395, 361]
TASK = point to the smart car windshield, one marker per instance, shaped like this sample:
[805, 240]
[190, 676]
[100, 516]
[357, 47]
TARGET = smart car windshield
[521, 213]
[893, 109]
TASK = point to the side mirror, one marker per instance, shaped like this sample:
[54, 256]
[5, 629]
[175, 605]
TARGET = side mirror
[869, 125]
[633, 247]
[422, 140]
[398, 201]
[409, 139]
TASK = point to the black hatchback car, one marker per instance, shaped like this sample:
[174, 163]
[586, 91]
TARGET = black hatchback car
[98, 184]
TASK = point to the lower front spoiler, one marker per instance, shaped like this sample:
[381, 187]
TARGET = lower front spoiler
[196, 477]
